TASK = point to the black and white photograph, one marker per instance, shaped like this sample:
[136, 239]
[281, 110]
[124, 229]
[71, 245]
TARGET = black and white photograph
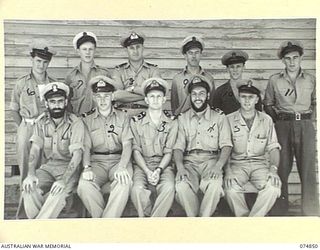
[160, 118]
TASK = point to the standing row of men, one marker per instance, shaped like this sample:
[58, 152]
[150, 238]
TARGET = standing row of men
[295, 103]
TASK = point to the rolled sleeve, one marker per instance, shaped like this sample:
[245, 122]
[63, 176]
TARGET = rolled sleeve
[77, 136]
[224, 133]
[181, 137]
[272, 138]
[171, 139]
[136, 143]
[37, 136]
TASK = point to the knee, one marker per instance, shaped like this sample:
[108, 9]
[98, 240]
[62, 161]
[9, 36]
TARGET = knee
[84, 186]
[182, 187]
[136, 189]
[231, 192]
[272, 191]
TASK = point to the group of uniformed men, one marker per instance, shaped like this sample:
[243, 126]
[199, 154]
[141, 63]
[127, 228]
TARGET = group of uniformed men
[75, 135]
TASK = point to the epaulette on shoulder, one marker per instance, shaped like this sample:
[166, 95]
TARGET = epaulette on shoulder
[218, 110]
[151, 64]
[169, 115]
[121, 65]
[88, 113]
[139, 116]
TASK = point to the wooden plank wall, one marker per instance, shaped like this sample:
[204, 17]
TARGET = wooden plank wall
[259, 38]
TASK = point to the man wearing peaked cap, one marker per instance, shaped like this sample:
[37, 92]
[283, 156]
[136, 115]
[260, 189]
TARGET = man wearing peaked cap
[130, 75]
[26, 104]
[81, 101]
[108, 147]
[201, 150]
[253, 136]
[192, 47]
[58, 141]
[290, 99]
[154, 133]
[226, 96]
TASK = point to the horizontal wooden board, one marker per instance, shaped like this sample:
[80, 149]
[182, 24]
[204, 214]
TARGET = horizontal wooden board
[219, 74]
[22, 61]
[222, 43]
[168, 53]
[164, 32]
[290, 23]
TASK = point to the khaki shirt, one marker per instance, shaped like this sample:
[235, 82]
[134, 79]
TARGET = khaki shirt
[252, 144]
[286, 96]
[81, 99]
[25, 96]
[106, 134]
[210, 131]
[151, 140]
[180, 99]
[58, 143]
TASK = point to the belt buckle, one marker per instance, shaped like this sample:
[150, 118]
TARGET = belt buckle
[298, 116]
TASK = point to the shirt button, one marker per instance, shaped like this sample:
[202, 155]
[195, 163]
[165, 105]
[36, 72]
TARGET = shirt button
[198, 133]
[197, 142]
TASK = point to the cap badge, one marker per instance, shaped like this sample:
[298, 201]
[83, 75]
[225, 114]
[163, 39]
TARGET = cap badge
[154, 83]
[233, 54]
[46, 49]
[134, 36]
[196, 80]
[84, 34]
[54, 87]
[289, 44]
[249, 84]
[194, 39]
[101, 83]
[185, 82]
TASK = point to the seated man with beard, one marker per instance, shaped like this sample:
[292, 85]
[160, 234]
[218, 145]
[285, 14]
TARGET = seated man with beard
[201, 151]
[59, 135]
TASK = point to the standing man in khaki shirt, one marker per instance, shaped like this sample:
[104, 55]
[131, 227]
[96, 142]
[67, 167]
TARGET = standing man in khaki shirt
[202, 148]
[253, 135]
[290, 100]
[59, 135]
[192, 47]
[85, 43]
[155, 133]
[108, 146]
[130, 75]
[26, 104]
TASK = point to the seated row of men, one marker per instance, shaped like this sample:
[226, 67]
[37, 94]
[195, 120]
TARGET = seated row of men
[201, 141]
[290, 99]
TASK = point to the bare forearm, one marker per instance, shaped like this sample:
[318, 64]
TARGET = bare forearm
[274, 157]
[140, 160]
[73, 165]
[126, 153]
[178, 158]
[33, 159]
[165, 160]
[126, 96]
[86, 157]
[224, 156]
[16, 117]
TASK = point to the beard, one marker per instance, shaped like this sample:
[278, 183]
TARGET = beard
[57, 113]
[202, 107]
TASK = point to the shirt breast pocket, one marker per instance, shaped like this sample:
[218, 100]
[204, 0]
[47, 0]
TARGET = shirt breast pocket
[97, 138]
[211, 140]
[147, 143]
[259, 146]
[64, 146]
[239, 143]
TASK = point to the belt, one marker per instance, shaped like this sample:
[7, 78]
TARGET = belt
[293, 116]
[108, 153]
[200, 151]
[132, 106]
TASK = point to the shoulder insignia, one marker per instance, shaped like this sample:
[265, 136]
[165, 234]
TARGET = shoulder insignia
[88, 113]
[121, 65]
[218, 110]
[169, 115]
[151, 64]
[139, 116]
